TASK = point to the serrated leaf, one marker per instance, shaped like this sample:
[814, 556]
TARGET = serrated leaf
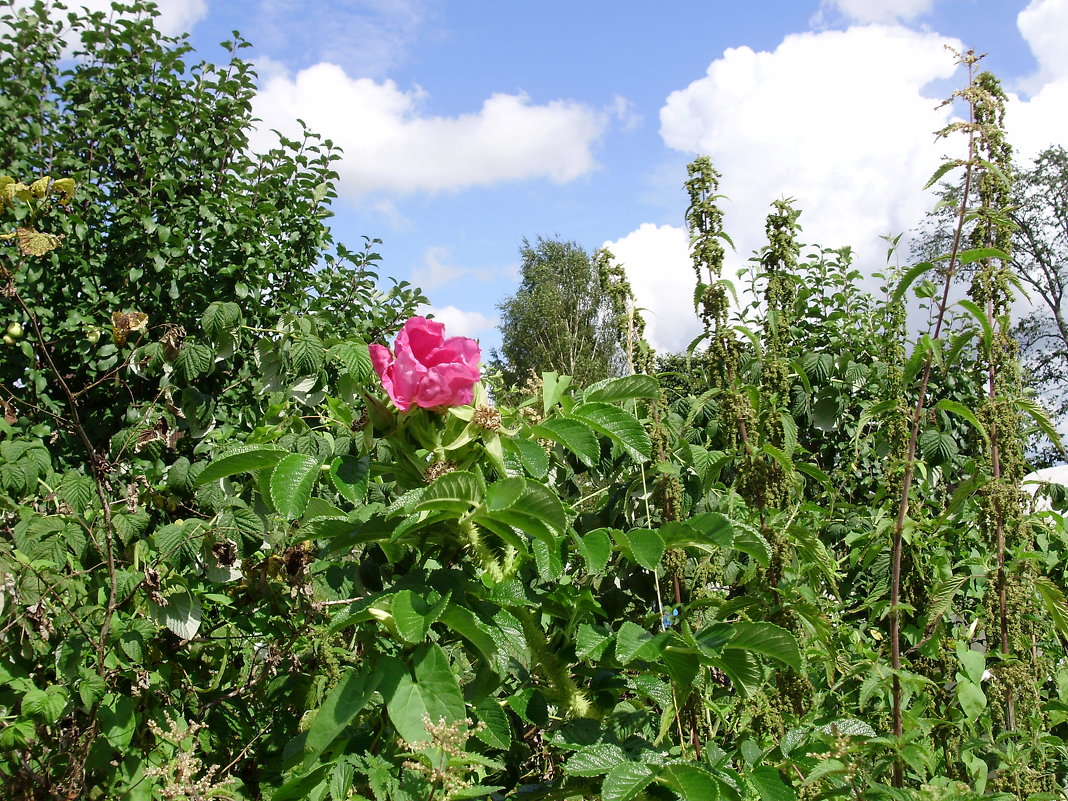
[351, 476]
[458, 492]
[291, 483]
[692, 782]
[356, 360]
[574, 435]
[46, 704]
[194, 359]
[620, 426]
[1053, 601]
[591, 641]
[596, 549]
[220, 319]
[77, 491]
[646, 547]
[307, 354]
[433, 693]
[524, 505]
[497, 731]
[532, 456]
[623, 388]
[626, 780]
[634, 642]
[595, 760]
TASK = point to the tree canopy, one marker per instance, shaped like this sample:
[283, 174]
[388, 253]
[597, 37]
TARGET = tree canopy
[565, 316]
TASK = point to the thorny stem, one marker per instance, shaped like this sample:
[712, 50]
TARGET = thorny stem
[910, 458]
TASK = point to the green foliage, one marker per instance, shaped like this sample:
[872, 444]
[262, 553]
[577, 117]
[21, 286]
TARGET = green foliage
[240, 574]
[569, 315]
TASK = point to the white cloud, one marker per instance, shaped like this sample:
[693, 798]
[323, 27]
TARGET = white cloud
[391, 147]
[657, 263]
[437, 269]
[1042, 120]
[876, 10]
[460, 323]
[175, 16]
[837, 120]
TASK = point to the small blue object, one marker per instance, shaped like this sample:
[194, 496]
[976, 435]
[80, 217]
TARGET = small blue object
[668, 618]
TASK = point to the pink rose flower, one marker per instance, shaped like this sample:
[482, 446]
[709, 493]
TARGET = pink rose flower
[426, 369]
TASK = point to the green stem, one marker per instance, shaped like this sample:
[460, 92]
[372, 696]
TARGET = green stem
[572, 700]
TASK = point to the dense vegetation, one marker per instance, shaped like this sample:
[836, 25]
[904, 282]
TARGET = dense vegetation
[797, 565]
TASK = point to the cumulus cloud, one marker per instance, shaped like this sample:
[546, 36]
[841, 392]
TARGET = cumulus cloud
[1042, 120]
[437, 269]
[460, 323]
[391, 146]
[657, 263]
[837, 120]
[865, 11]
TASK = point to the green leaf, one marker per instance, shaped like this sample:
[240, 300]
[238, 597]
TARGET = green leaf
[980, 254]
[646, 547]
[594, 760]
[181, 614]
[626, 780]
[767, 639]
[118, 720]
[339, 709]
[971, 698]
[307, 354]
[434, 692]
[626, 387]
[574, 435]
[907, 280]
[527, 506]
[596, 549]
[748, 540]
[769, 785]
[620, 426]
[46, 704]
[458, 492]
[464, 622]
[497, 731]
[351, 477]
[415, 614]
[291, 484]
[355, 358]
[961, 410]
[692, 782]
[708, 531]
[194, 359]
[534, 458]
[634, 642]
[1053, 601]
[220, 319]
[743, 669]
[591, 641]
[242, 459]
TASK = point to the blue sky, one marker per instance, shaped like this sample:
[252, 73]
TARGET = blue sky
[471, 124]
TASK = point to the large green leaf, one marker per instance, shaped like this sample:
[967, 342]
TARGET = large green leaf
[645, 547]
[710, 531]
[464, 622]
[691, 782]
[350, 476]
[596, 549]
[532, 456]
[634, 642]
[291, 484]
[181, 615]
[339, 709]
[620, 426]
[767, 639]
[414, 614]
[525, 505]
[242, 459]
[623, 388]
[433, 693]
[595, 760]
[458, 492]
[574, 435]
[626, 780]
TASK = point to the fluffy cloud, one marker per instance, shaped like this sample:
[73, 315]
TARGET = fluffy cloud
[837, 120]
[877, 10]
[391, 147]
[1042, 120]
[460, 323]
[657, 262]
